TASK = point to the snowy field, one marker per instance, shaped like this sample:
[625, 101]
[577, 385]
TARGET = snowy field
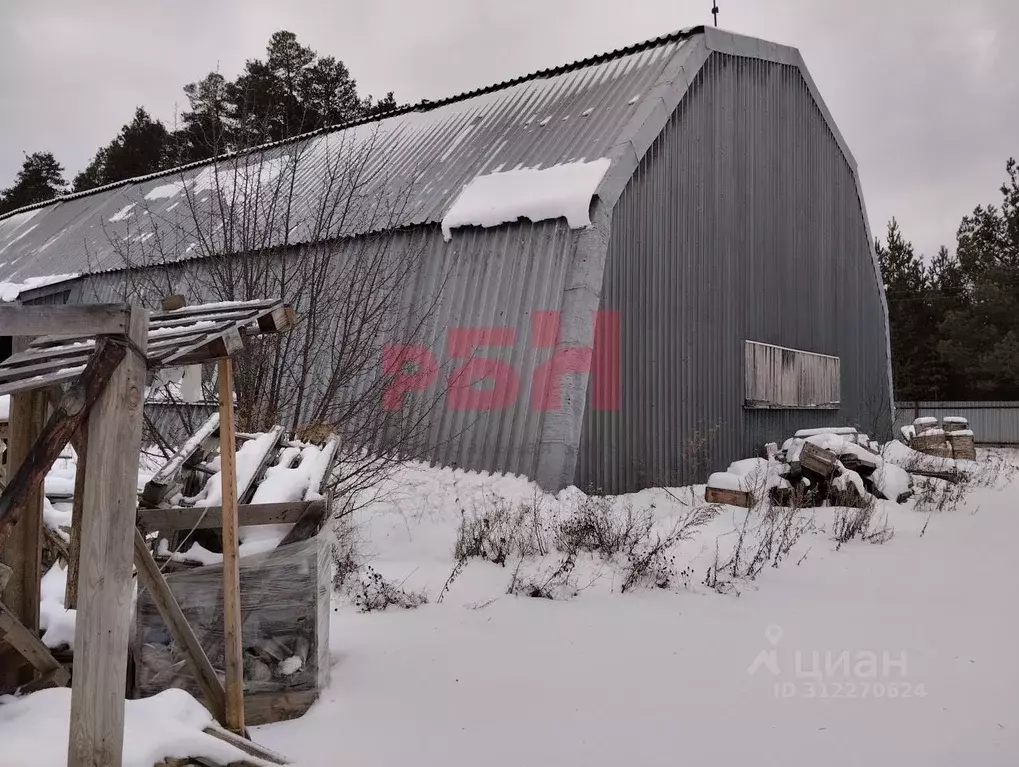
[899, 653]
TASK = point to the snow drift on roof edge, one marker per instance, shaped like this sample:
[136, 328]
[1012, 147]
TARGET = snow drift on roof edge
[561, 191]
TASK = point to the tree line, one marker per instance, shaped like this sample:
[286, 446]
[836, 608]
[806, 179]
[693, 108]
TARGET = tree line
[955, 319]
[291, 91]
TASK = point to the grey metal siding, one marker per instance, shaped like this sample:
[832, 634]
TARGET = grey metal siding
[482, 278]
[993, 423]
[742, 222]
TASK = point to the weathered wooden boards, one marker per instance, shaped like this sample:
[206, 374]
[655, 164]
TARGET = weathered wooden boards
[23, 549]
[65, 421]
[233, 650]
[180, 337]
[31, 648]
[211, 517]
[742, 498]
[105, 576]
[167, 480]
[94, 319]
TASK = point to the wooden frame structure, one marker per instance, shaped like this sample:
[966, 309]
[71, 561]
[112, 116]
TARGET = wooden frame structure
[104, 353]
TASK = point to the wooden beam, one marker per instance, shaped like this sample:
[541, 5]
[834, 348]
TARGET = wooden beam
[21, 548]
[63, 423]
[167, 478]
[105, 579]
[30, 646]
[77, 511]
[233, 649]
[169, 610]
[248, 747]
[56, 544]
[96, 319]
[211, 517]
[308, 525]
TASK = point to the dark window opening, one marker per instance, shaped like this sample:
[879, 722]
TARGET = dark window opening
[5, 347]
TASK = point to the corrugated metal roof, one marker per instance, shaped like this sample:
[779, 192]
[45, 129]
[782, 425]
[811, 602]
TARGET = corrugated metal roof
[401, 170]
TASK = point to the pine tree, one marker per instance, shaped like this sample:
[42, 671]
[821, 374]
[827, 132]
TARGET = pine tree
[980, 336]
[207, 131]
[141, 147]
[380, 107]
[906, 286]
[40, 179]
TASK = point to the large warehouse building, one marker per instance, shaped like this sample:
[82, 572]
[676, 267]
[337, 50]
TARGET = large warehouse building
[647, 264]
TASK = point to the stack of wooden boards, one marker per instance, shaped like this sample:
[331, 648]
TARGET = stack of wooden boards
[952, 438]
[829, 466]
[283, 499]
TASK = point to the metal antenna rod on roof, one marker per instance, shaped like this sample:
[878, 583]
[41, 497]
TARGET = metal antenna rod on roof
[714, 11]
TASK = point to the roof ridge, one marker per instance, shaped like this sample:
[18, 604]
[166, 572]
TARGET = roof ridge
[421, 106]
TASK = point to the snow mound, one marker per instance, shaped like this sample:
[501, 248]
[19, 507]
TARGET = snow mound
[562, 191]
[34, 730]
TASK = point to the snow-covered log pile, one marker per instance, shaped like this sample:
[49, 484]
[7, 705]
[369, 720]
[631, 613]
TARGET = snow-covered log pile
[834, 466]
[952, 438]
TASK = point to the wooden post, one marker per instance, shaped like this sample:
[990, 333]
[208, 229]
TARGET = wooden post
[231, 572]
[104, 579]
[23, 549]
[74, 550]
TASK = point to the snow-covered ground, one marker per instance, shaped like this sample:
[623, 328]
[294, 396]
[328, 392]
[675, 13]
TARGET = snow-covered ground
[898, 653]
[901, 653]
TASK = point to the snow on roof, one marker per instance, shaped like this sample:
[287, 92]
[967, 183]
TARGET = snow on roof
[414, 162]
[562, 191]
[9, 291]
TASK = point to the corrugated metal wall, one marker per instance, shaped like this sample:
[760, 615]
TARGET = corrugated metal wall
[993, 423]
[482, 278]
[742, 222]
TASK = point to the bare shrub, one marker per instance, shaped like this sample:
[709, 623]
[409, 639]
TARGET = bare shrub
[373, 593]
[865, 524]
[502, 531]
[546, 583]
[630, 538]
[762, 539]
[345, 553]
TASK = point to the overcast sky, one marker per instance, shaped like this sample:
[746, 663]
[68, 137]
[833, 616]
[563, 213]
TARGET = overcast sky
[925, 91]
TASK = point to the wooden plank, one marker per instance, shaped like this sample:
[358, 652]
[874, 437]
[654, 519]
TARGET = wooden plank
[247, 746]
[217, 309]
[234, 317]
[30, 646]
[279, 320]
[33, 355]
[246, 493]
[40, 382]
[169, 610]
[105, 579]
[730, 497]
[233, 649]
[92, 319]
[817, 460]
[6, 571]
[56, 544]
[228, 343]
[63, 423]
[167, 478]
[74, 548]
[22, 551]
[308, 525]
[211, 517]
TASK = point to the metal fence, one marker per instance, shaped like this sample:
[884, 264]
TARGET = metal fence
[993, 423]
